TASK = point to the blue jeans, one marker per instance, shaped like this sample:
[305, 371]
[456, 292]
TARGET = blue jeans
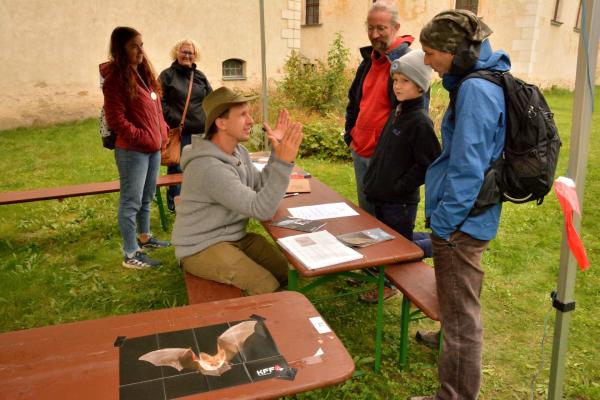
[174, 190]
[361, 164]
[401, 218]
[137, 174]
[398, 216]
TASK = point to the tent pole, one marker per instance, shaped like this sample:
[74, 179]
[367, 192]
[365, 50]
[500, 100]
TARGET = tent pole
[578, 157]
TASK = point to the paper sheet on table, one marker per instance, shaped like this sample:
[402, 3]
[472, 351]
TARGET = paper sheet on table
[320, 325]
[259, 166]
[318, 249]
[322, 211]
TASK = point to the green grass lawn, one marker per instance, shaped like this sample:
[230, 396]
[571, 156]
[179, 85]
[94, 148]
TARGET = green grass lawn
[61, 262]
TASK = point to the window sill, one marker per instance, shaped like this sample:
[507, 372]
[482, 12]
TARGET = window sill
[234, 78]
[310, 25]
[555, 22]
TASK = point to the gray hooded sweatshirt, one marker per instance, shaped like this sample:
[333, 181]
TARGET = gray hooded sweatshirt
[220, 192]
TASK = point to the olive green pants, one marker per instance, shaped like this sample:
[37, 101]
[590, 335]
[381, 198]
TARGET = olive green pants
[251, 264]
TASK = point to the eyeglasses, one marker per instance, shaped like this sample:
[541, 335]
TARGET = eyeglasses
[187, 53]
[381, 29]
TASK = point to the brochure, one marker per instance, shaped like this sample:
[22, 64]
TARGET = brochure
[299, 224]
[318, 249]
[364, 238]
[298, 186]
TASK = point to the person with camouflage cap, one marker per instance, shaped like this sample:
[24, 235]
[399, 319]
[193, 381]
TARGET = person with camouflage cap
[455, 43]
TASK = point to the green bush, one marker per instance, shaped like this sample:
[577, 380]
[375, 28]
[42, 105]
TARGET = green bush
[320, 86]
[324, 140]
[257, 139]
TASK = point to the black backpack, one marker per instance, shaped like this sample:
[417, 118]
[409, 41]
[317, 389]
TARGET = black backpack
[108, 135]
[525, 170]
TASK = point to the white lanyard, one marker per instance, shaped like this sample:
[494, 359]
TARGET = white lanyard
[154, 97]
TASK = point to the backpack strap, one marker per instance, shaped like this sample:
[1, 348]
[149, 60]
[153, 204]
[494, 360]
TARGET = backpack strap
[187, 100]
[481, 203]
[489, 75]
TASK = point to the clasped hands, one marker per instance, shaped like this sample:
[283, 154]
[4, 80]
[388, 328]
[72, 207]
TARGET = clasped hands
[285, 138]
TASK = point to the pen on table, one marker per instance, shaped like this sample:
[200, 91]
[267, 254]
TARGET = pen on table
[290, 195]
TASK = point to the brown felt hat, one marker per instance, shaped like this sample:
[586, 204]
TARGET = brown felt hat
[219, 101]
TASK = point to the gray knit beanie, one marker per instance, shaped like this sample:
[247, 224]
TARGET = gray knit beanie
[412, 66]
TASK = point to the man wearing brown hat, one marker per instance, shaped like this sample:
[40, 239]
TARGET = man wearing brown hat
[455, 44]
[222, 189]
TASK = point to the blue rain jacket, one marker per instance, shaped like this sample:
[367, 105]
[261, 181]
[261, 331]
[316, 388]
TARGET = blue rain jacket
[470, 142]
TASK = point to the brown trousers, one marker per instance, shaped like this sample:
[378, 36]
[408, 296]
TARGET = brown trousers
[251, 264]
[459, 278]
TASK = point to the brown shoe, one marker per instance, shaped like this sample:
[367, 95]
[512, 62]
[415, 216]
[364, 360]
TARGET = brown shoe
[428, 338]
[371, 296]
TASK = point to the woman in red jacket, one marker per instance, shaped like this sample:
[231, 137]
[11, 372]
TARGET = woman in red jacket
[133, 111]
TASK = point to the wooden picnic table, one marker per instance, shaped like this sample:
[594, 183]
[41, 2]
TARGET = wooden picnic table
[86, 189]
[390, 252]
[80, 361]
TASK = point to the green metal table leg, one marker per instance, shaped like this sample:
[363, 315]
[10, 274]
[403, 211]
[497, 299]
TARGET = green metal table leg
[404, 320]
[379, 321]
[161, 210]
[292, 279]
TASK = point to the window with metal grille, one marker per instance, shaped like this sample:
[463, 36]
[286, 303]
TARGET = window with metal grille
[470, 5]
[233, 69]
[312, 12]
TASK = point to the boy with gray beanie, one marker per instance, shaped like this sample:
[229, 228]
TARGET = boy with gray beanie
[407, 146]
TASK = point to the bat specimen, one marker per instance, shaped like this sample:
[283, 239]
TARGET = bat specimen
[228, 345]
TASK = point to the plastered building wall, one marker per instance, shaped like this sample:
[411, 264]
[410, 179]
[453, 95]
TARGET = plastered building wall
[541, 51]
[51, 49]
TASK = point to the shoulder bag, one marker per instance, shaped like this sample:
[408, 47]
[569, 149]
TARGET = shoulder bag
[171, 153]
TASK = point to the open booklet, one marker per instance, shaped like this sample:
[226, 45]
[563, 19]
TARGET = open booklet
[364, 238]
[318, 249]
[299, 224]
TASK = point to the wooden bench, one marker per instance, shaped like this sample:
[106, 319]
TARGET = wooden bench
[202, 290]
[87, 189]
[416, 281]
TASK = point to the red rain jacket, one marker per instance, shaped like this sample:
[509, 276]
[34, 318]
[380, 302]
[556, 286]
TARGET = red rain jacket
[138, 122]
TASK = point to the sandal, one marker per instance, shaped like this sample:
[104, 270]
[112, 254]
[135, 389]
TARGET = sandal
[371, 296]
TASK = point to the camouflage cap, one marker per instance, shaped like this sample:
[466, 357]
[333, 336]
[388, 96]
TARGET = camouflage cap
[450, 28]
